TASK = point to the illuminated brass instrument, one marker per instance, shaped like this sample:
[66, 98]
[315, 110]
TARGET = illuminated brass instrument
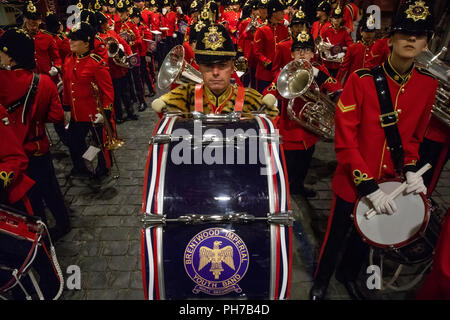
[241, 64]
[116, 53]
[296, 79]
[253, 24]
[441, 70]
[112, 141]
[329, 52]
[175, 69]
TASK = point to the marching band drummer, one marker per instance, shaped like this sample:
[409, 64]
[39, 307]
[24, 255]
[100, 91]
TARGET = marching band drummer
[298, 142]
[376, 141]
[84, 68]
[214, 54]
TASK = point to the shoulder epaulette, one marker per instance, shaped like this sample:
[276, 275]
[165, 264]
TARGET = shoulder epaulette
[96, 57]
[425, 72]
[46, 32]
[363, 72]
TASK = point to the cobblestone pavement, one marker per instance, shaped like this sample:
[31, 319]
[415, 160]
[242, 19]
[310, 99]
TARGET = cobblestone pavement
[105, 237]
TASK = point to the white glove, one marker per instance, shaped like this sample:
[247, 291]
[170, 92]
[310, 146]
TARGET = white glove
[174, 35]
[53, 71]
[340, 55]
[99, 118]
[179, 10]
[382, 202]
[66, 117]
[164, 11]
[415, 183]
[315, 71]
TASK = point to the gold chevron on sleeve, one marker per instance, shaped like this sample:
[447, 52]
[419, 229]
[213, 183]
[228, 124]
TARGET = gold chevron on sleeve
[346, 108]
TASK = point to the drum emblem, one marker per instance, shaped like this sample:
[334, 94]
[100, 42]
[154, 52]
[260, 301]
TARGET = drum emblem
[216, 259]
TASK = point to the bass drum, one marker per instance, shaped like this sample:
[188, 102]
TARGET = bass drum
[217, 220]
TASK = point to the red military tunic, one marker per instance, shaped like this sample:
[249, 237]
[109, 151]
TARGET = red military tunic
[360, 143]
[145, 13]
[246, 43]
[356, 58]
[62, 43]
[13, 162]
[283, 56]
[47, 108]
[295, 137]
[81, 72]
[267, 39]
[155, 21]
[132, 30]
[46, 52]
[318, 27]
[336, 37]
[379, 53]
[231, 18]
[100, 47]
[115, 70]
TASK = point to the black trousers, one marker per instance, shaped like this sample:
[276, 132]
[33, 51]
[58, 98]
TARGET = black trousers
[47, 192]
[261, 85]
[122, 97]
[298, 163]
[77, 144]
[430, 152]
[354, 251]
[135, 75]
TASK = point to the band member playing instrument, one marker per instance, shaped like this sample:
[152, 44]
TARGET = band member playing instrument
[298, 142]
[283, 54]
[267, 38]
[31, 102]
[358, 54]
[83, 69]
[338, 36]
[322, 11]
[214, 54]
[373, 143]
[47, 56]
[54, 26]
[230, 18]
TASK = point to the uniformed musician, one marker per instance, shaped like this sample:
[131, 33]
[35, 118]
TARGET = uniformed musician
[375, 141]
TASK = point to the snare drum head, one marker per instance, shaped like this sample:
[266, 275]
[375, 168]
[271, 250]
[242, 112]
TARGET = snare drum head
[395, 230]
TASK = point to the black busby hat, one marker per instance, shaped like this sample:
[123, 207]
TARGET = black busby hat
[121, 6]
[17, 44]
[304, 40]
[214, 45]
[83, 31]
[153, 3]
[274, 6]
[31, 12]
[337, 12]
[135, 13]
[262, 3]
[367, 23]
[414, 17]
[110, 3]
[101, 18]
[324, 6]
[298, 18]
[52, 22]
[195, 6]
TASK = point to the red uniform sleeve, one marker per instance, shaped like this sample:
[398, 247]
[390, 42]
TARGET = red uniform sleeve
[259, 48]
[347, 121]
[104, 82]
[54, 54]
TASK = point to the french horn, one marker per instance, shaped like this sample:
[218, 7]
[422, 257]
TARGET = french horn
[296, 80]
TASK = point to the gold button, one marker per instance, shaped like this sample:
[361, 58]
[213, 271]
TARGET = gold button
[399, 110]
[384, 166]
[402, 90]
[396, 77]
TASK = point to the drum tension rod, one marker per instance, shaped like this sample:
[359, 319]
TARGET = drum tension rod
[279, 218]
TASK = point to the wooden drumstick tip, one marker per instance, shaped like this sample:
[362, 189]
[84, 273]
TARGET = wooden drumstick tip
[372, 212]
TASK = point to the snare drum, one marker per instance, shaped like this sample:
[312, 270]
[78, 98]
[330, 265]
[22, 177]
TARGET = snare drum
[217, 220]
[407, 237]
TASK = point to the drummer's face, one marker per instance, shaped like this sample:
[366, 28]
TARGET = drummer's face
[408, 46]
[216, 76]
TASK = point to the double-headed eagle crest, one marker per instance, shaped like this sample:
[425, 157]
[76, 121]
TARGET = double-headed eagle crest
[216, 256]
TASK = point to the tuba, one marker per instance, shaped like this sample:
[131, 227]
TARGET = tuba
[296, 79]
[112, 142]
[175, 69]
[115, 52]
[441, 70]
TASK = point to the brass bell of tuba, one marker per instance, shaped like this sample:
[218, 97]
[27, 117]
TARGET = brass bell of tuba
[116, 53]
[441, 70]
[296, 79]
[175, 69]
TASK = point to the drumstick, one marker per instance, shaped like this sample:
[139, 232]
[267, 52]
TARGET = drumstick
[399, 190]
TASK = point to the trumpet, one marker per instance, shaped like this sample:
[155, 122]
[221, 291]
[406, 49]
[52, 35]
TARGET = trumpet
[116, 53]
[296, 79]
[112, 141]
[253, 24]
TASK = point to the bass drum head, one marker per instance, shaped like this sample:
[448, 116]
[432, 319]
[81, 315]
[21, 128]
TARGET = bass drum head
[397, 230]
